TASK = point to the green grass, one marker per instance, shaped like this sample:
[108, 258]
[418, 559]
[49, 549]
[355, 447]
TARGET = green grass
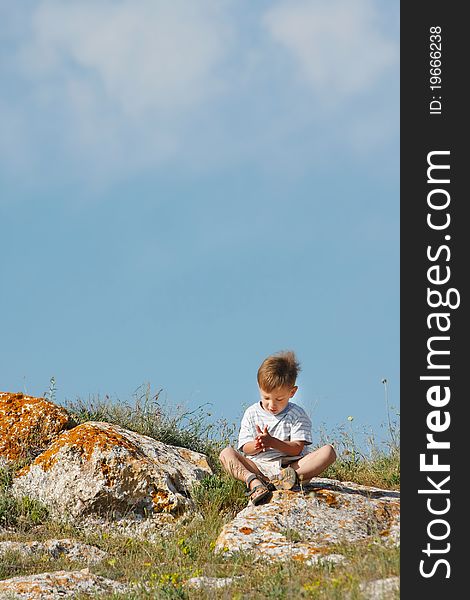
[20, 513]
[361, 459]
[161, 568]
[148, 415]
[380, 471]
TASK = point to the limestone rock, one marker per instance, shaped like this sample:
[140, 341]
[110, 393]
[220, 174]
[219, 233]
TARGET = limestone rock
[99, 468]
[28, 425]
[55, 549]
[210, 582]
[151, 529]
[381, 589]
[302, 524]
[60, 584]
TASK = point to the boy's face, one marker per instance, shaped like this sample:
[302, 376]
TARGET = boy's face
[276, 401]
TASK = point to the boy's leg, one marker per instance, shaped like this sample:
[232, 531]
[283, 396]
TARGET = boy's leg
[314, 463]
[240, 466]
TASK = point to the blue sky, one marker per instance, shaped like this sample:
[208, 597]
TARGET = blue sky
[188, 187]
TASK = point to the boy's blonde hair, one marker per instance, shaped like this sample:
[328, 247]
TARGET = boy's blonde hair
[278, 370]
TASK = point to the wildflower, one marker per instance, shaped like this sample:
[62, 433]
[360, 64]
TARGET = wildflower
[196, 573]
[170, 579]
[183, 547]
[311, 587]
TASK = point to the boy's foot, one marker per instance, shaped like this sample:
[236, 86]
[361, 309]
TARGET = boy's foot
[268, 483]
[286, 479]
[259, 492]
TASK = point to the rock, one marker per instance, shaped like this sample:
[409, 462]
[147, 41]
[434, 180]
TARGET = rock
[60, 584]
[99, 468]
[303, 524]
[332, 559]
[151, 529]
[381, 589]
[55, 549]
[210, 582]
[28, 425]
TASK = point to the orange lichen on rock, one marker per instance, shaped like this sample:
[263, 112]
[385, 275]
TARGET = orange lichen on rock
[27, 588]
[302, 557]
[329, 497]
[385, 514]
[161, 501]
[246, 530]
[107, 473]
[384, 532]
[103, 468]
[29, 424]
[83, 440]
[190, 456]
[59, 584]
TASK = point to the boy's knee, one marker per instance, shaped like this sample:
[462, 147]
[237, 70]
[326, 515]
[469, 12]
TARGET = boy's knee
[331, 453]
[226, 453]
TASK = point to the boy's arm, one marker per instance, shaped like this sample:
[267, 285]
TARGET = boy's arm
[252, 448]
[247, 435]
[288, 448]
[266, 440]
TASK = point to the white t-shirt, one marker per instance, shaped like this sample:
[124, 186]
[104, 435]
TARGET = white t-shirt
[290, 425]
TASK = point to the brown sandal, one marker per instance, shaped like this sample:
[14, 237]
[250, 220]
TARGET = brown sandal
[286, 479]
[259, 493]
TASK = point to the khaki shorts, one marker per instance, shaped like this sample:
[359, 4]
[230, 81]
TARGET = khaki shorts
[271, 467]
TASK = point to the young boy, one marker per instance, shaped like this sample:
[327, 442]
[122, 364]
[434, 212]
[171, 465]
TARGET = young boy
[274, 434]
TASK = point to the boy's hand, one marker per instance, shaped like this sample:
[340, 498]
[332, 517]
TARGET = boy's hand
[258, 446]
[264, 440]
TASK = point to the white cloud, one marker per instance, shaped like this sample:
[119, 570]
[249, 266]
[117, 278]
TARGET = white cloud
[109, 86]
[142, 55]
[106, 88]
[338, 46]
